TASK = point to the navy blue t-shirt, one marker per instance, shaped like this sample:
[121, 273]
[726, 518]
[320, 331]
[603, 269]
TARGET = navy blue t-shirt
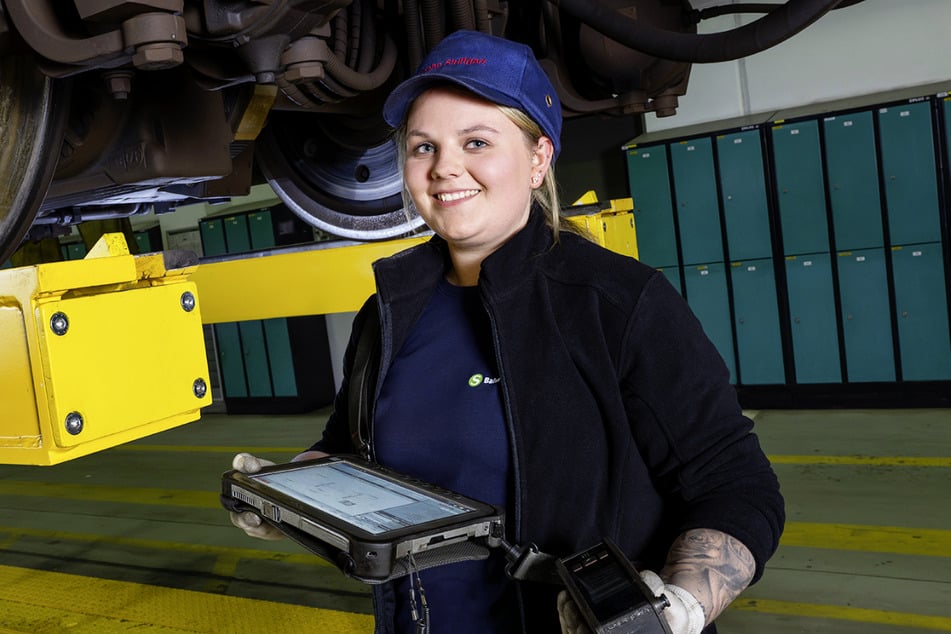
[439, 418]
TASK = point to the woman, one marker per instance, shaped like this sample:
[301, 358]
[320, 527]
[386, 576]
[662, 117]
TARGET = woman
[525, 366]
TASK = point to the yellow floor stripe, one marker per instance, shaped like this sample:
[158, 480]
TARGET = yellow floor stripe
[41, 602]
[865, 461]
[843, 613]
[150, 544]
[257, 451]
[103, 493]
[884, 539]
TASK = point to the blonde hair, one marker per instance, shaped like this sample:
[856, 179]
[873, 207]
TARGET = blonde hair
[545, 196]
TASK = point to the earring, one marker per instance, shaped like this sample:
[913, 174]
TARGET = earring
[535, 179]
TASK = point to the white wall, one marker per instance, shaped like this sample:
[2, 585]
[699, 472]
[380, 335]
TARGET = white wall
[871, 47]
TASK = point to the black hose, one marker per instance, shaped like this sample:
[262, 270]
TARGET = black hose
[698, 15]
[775, 27]
[462, 15]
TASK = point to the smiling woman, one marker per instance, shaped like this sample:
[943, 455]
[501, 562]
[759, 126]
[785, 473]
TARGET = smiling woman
[470, 171]
[531, 369]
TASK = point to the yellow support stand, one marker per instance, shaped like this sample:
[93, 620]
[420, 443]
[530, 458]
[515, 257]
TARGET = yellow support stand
[97, 352]
[610, 224]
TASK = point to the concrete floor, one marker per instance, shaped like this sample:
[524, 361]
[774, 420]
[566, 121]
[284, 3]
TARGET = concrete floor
[133, 538]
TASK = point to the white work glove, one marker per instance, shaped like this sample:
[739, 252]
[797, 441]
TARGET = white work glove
[570, 616]
[684, 614]
[251, 523]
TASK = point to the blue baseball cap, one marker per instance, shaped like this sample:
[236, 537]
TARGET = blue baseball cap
[500, 70]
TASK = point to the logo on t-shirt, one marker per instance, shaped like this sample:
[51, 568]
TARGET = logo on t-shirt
[478, 379]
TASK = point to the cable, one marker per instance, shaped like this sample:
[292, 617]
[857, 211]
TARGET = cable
[776, 26]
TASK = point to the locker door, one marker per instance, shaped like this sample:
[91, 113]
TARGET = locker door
[707, 297]
[911, 189]
[852, 168]
[261, 229]
[236, 234]
[256, 364]
[653, 207]
[231, 360]
[812, 316]
[276, 336]
[758, 341]
[743, 191]
[922, 311]
[866, 318]
[212, 237]
[800, 190]
[672, 273]
[143, 241]
[698, 212]
[946, 107]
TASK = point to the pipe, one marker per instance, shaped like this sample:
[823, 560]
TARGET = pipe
[776, 26]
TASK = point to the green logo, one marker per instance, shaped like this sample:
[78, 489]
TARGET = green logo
[475, 380]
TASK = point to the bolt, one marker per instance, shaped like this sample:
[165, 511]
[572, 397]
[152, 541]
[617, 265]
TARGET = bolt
[74, 423]
[59, 323]
[188, 301]
[158, 56]
[200, 388]
[119, 83]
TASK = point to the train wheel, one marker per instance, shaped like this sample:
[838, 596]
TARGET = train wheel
[340, 174]
[33, 111]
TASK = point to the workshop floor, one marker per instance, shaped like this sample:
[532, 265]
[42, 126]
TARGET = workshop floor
[133, 538]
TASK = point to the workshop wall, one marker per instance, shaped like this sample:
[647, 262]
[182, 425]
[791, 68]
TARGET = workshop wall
[871, 47]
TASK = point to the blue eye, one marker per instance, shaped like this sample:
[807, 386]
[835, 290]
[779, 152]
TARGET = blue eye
[424, 148]
[476, 143]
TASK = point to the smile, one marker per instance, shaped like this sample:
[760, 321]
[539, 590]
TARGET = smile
[453, 196]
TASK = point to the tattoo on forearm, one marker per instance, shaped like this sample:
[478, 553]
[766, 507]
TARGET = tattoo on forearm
[711, 565]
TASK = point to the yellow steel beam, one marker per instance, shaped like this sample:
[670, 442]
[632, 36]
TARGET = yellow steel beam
[286, 284]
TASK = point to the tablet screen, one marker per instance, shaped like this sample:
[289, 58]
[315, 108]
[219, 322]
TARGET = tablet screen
[366, 500]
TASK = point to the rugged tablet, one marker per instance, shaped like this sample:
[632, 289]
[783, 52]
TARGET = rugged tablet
[373, 523]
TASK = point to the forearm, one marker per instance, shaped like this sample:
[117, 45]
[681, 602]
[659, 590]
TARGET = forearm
[713, 566]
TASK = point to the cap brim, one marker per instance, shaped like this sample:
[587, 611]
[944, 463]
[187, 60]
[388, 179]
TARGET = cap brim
[397, 105]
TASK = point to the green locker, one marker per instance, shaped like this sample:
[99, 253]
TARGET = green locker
[707, 297]
[231, 360]
[946, 107]
[698, 212]
[866, 317]
[812, 318]
[743, 191]
[212, 237]
[799, 188]
[852, 169]
[256, 366]
[908, 164]
[236, 234]
[653, 208]
[276, 336]
[280, 357]
[758, 340]
[75, 251]
[672, 273]
[142, 240]
[261, 229]
[921, 309]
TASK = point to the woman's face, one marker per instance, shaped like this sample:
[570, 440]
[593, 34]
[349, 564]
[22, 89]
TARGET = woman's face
[469, 169]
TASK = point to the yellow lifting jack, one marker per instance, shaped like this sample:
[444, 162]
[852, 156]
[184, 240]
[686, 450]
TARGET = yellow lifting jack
[97, 352]
[105, 350]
